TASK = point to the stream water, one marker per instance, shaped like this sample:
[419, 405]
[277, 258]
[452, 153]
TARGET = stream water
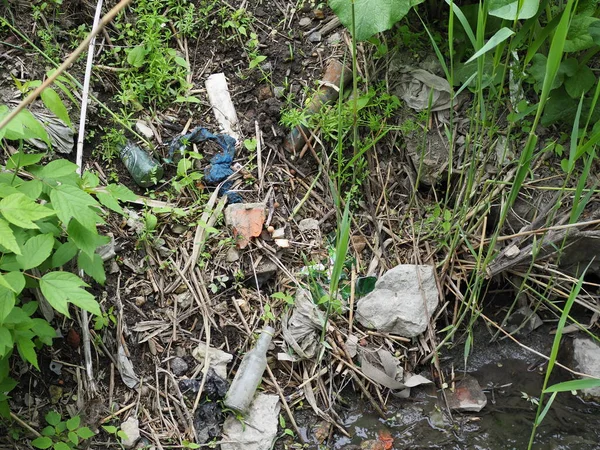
[512, 382]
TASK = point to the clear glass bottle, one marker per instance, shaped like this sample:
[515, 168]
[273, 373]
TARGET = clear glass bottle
[249, 374]
[144, 169]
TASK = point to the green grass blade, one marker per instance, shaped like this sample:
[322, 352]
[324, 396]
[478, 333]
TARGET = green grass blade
[500, 36]
[574, 134]
[463, 21]
[573, 385]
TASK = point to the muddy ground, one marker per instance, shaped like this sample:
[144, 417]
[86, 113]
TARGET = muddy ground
[160, 313]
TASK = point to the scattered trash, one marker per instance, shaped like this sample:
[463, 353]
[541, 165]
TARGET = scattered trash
[383, 368]
[144, 129]
[107, 251]
[125, 367]
[220, 100]
[586, 355]
[523, 321]
[215, 386]
[308, 224]
[178, 366]
[207, 421]
[467, 396]
[282, 243]
[278, 233]
[402, 302]
[301, 331]
[56, 367]
[60, 134]
[144, 169]
[218, 359]
[220, 164]
[131, 429]
[421, 90]
[335, 74]
[246, 220]
[249, 374]
[259, 429]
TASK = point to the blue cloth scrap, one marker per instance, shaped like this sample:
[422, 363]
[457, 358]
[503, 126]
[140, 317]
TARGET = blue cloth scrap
[220, 164]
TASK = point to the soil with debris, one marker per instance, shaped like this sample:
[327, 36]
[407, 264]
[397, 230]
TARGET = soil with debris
[185, 297]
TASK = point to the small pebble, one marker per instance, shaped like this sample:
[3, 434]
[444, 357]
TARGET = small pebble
[279, 91]
[178, 366]
[315, 37]
[270, 229]
[305, 22]
[335, 38]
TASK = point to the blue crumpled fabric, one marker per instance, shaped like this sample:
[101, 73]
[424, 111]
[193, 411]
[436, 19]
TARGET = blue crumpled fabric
[220, 164]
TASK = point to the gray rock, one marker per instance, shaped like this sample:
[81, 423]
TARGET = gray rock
[308, 224]
[259, 429]
[467, 396]
[232, 255]
[402, 302]
[279, 91]
[334, 39]
[315, 37]
[305, 22]
[586, 355]
[178, 366]
[131, 428]
[525, 320]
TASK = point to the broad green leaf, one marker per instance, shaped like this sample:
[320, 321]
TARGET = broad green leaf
[137, 55]
[59, 168]
[109, 201]
[31, 189]
[500, 36]
[94, 267]
[594, 31]
[73, 423]
[16, 280]
[86, 239]
[21, 159]
[61, 288]
[85, 433]
[61, 446]
[73, 437]
[35, 251]
[181, 62]
[30, 128]
[26, 349]
[372, 16]
[6, 342]
[20, 210]
[65, 253]
[53, 418]
[581, 82]
[188, 99]
[43, 330]
[121, 192]
[7, 238]
[30, 308]
[574, 385]
[53, 102]
[42, 442]
[508, 9]
[579, 37]
[7, 303]
[70, 201]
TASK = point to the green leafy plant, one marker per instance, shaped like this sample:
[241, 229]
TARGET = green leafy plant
[48, 222]
[119, 434]
[62, 434]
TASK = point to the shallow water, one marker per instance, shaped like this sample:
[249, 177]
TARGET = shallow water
[511, 378]
[505, 423]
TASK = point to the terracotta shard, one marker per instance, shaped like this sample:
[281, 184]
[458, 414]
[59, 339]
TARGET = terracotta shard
[246, 220]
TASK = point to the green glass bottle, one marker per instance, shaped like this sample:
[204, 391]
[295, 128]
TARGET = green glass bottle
[144, 169]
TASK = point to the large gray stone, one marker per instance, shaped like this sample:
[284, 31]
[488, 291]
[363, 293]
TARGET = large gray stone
[259, 429]
[586, 354]
[402, 302]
